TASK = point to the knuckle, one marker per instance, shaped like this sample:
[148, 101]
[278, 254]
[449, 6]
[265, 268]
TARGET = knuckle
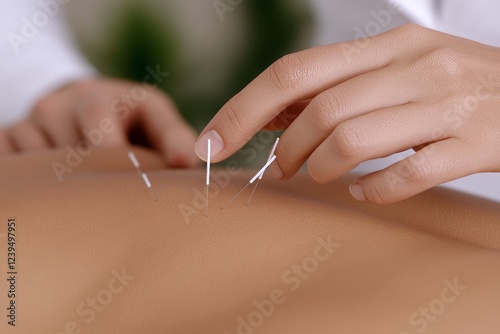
[324, 110]
[416, 171]
[445, 63]
[287, 159]
[234, 118]
[84, 88]
[377, 194]
[410, 29]
[312, 170]
[288, 72]
[347, 141]
[44, 108]
[94, 112]
[20, 127]
[414, 35]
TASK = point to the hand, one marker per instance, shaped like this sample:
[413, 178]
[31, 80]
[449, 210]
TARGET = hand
[104, 112]
[347, 103]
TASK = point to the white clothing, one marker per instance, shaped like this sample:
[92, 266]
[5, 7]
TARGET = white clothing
[37, 55]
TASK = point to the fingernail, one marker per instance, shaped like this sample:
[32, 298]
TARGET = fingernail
[357, 192]
[216, 145]
[276, 171]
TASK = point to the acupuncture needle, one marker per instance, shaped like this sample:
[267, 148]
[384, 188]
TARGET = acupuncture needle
[148, 184]
[135, 162]
[207, 182]
[144, 177]
[262, 175]
[263, 169]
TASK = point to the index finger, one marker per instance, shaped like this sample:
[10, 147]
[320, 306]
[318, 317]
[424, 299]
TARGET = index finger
[168, 131]
[292, 78]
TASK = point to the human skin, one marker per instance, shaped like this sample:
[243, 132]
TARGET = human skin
[343, 104]
[116, 108]
[387, 264]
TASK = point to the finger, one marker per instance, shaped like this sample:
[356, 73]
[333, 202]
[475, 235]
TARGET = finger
[287, 116]
[294, 78]
[98, 124]
[375, 135]
[168, 132]
[355, 97]
[5, 143]
[26, 136]
[437, 163]
[56, 117]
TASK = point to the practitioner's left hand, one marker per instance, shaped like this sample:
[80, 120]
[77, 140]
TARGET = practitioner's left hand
[105, 113]
[346, 103]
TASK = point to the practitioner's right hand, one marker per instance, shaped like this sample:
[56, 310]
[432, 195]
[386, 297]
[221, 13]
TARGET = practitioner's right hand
[104, 112]
[351, 102]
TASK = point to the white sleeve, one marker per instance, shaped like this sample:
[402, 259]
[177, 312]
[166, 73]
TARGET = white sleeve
[423, 12]
[36, 55]
[477, 20]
